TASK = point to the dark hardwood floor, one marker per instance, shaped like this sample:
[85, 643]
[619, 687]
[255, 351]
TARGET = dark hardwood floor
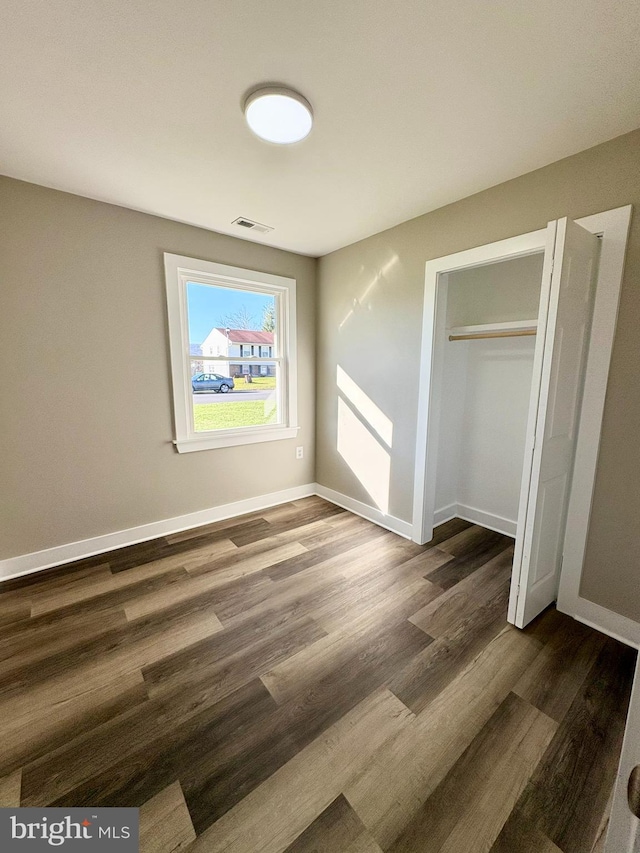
[301, 680]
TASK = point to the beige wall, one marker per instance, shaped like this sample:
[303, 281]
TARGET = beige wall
[85, 400]
[370, 308]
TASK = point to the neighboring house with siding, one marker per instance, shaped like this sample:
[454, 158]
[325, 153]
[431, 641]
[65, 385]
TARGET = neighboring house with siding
[239, 344]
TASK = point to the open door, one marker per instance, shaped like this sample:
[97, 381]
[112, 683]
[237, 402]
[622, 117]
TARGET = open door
[623, 835]
[568, 286]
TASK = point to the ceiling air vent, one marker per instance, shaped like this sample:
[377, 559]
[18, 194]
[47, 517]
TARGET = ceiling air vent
[250, 225]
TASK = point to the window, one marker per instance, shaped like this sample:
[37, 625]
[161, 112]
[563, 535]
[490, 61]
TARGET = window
[212, 308]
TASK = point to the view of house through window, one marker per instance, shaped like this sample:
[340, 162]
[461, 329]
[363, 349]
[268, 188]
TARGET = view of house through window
[232, 340]
[235, 362]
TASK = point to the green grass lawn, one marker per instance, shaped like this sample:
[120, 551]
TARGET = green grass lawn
[260, 383]
[228, 415]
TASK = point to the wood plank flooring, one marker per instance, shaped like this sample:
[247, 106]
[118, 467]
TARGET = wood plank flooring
[301, 680]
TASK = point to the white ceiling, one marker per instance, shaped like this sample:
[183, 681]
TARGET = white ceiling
[416, 103]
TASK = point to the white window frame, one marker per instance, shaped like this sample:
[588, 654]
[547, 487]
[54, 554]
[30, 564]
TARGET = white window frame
[179, 270]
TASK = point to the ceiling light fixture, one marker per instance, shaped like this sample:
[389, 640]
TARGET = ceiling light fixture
[278, 115]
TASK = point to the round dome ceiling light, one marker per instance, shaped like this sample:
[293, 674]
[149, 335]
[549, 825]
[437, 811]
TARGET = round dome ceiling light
[278, 115]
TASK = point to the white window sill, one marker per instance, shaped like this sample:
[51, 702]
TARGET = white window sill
[211, 442]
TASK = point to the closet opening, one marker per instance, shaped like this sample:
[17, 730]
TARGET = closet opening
[491, 317]
[505, 343]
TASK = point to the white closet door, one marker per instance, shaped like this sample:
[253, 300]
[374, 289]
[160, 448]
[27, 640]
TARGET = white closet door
[568, 285]
[624, 825]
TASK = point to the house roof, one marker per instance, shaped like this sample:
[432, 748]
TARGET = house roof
[248, 336]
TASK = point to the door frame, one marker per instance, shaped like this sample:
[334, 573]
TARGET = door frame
[432, 357]
[623, 826]
[612, 227]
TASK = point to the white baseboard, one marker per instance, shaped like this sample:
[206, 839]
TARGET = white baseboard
[446, 513]
[476, 516]
[488, 519]
[389, 522]
[26, 564]
[604, 620]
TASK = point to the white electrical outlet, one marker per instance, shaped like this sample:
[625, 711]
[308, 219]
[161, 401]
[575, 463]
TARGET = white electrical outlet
[299, 452]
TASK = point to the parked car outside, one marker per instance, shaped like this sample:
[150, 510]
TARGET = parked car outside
[212, 382]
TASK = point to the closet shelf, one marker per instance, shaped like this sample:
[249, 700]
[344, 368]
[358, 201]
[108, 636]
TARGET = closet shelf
[514, 328]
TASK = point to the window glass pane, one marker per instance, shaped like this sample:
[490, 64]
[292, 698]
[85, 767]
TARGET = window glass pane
[226, 321]
[243, 396]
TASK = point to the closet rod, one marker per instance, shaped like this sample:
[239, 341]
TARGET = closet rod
[517, 333]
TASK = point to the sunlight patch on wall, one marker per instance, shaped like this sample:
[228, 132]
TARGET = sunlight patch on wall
[365, 406]
[365, 456]
[360, 301]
